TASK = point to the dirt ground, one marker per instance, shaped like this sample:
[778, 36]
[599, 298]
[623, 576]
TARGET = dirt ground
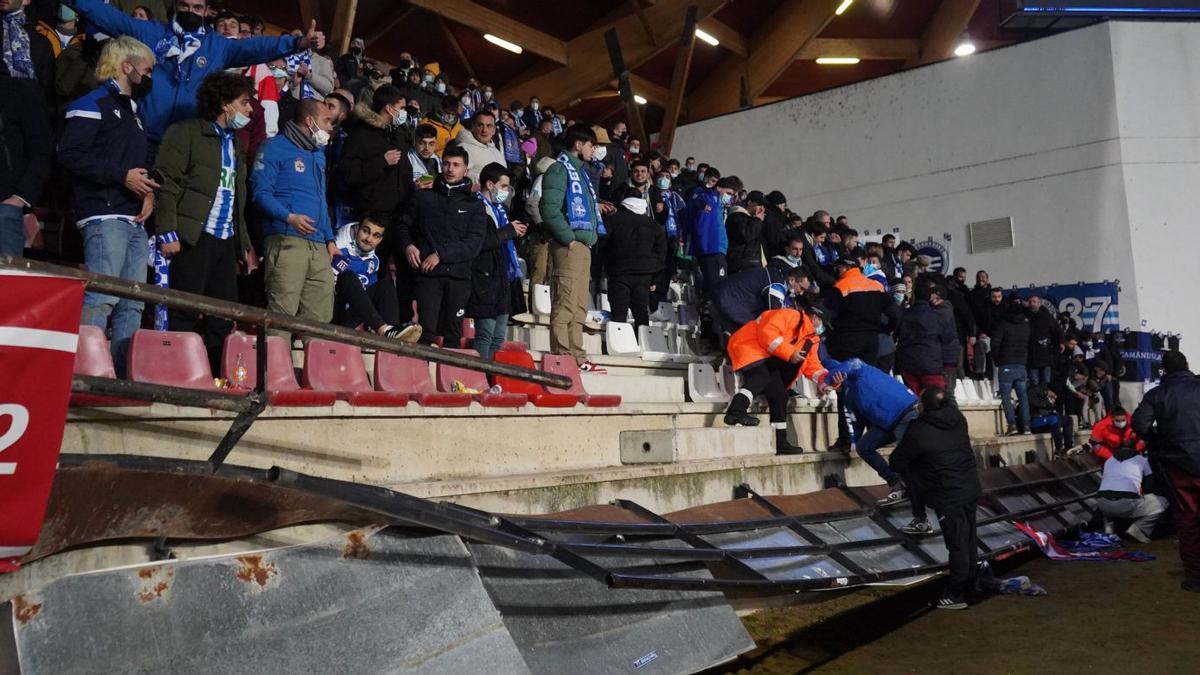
[1099, 617]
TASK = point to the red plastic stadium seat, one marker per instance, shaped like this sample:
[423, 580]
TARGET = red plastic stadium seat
[566, 365]
[93, 357]
[406, 375]
[282, 388]
[172, 358]
[333, 366]
[513, 346]
[473, 379]
[537, 394]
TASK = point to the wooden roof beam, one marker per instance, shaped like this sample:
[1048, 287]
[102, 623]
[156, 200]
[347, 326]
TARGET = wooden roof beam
[941, 35]
[729, 38]
[387, 28]
[343, 25]
[485, 20]
[865, 49]
[679, 78]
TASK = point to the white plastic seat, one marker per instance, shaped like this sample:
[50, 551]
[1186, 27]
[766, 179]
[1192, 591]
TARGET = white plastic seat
[704, 385]
[541, 299]
[687, 349]
[730, 381]
[619, 339]
[972, 390]
[656, 343]
[960, 391]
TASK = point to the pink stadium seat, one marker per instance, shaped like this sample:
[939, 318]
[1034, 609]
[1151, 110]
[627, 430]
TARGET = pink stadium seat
[333, 366]
[172, 358]
[565, 365]
[93, 357]
[537, 394]
[473, 379]
[410, 376]
[513, 346]
[282, 388]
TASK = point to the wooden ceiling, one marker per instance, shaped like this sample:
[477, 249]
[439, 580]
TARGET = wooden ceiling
[770, 44]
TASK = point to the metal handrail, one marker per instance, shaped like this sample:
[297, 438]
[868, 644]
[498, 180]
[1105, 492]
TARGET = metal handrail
[267, 319]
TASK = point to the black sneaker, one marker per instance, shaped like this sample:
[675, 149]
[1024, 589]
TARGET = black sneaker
[917, 528]
[841, 445]
[408, 333]
[735, 419]
[947, 602]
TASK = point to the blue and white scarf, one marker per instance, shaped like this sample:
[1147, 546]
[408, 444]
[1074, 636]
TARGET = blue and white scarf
[556, 126]
[512, 144]
[500, 215]
[293, 64]
[16, 46]
[673, 203]
[162, 273]
[577, 211]
[179, 47]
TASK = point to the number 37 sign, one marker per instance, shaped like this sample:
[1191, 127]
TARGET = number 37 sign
[39, 330]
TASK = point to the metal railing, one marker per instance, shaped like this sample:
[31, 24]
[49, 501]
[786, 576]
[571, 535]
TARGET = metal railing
[250, 404]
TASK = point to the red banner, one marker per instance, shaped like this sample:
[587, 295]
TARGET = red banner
[39, 331]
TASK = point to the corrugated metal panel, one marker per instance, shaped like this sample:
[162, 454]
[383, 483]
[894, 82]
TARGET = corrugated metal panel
[990, 235]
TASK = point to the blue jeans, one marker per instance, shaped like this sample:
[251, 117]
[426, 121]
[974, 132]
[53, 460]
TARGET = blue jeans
[1039, 375]
[1014, 377]
[489, 334]
[867, 447]
[116, 248]
[12, 230]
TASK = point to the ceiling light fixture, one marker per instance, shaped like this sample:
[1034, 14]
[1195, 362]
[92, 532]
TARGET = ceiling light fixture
[639, 99]
[838, 60]
[503, 44]
[707, 38]
[965, 46]
[843, 7]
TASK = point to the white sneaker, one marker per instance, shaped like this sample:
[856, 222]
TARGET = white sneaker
[1135, 533]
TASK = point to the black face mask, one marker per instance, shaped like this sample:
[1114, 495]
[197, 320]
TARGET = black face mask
[141, 88]
[356, 51]
[190, 22]
[405, 64]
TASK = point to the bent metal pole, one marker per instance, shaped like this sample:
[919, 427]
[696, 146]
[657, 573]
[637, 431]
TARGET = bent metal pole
[267, 319]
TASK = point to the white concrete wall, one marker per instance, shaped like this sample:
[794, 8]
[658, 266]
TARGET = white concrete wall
[1057, 133]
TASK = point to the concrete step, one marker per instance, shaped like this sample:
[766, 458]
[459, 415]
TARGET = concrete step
[684, 445]
[665, 388]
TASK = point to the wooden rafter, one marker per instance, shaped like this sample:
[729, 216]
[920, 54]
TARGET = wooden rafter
[343, 25]
[865, 49]
[654, 93]
[729, 38]
[641, 15]
[679, 77]
[942, 33]
[458, 50]
[484, 20]
[773, 49]
[590, 69]
[387, 27]
[309, 10]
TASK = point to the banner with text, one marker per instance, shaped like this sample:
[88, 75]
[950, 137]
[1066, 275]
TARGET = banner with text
[1093, 306]
[39, 332]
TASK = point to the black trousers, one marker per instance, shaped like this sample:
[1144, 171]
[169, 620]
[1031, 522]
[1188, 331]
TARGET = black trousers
[769, 379]
[852, 345]
[208, 268]
[441, 306]
[406, 291]
[376, 306]
[630, 292]
[958, 529]
[662, 280]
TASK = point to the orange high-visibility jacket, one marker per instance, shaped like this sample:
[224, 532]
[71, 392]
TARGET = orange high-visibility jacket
[777, 333]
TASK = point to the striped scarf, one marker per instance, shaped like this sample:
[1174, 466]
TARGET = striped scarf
[16, 46]
[500, 215]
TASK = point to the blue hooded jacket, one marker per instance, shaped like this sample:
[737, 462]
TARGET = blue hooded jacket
[704, 219]
[173, 97]
[289, 179]
[874, 396]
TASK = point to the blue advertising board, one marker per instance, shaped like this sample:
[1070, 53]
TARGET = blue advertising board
[1093, 306]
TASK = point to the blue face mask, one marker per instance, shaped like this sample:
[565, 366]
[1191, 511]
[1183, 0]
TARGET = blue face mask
[898, 296]
[793, 260]
[726, 198]
[869, 269]
[820, 329]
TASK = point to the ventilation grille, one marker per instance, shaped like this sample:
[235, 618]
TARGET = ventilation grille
[990, 235]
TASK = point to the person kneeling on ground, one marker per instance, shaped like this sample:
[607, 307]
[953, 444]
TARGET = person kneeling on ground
[771, 353]
[1121, 494]
[1113, 432]
[938, 463]
[887, 407]
[362, 294]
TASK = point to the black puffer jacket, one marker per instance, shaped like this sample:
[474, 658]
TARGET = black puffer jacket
[936, 459]
[448, 220]
[636, 244]
[920, 338]
[364, 178]
[1010, 339]
[1044, 337]
[745, 234]
[26, 144]
[489, 273]
[1174, 405]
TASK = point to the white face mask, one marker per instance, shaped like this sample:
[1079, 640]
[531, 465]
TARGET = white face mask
[320, 137]
[400, 117]
[634, 204]
[599, 153]
[239, 120]
[502, 195]
[1120, 425]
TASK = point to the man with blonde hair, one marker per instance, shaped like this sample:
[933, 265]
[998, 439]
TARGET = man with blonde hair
[103, 148]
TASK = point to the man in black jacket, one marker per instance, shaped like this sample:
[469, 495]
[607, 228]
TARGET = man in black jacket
[440, 239]
[1010, 349]
[937, 462]
[634, 253]
[744, 229]
[1045, 340]
[26, 147]
[1168, 419]
[922, 338]
[775, 225]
